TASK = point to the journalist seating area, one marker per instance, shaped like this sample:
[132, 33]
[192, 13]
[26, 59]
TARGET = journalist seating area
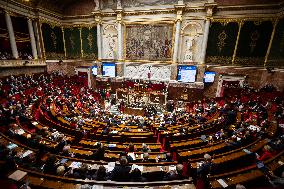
[60, 135]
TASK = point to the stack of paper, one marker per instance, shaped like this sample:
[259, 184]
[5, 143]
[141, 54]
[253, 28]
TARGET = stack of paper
[222, 183]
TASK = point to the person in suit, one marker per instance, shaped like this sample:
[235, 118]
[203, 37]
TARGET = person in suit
[101, 174]
[175, 175]
[203, 171]
[136, 176]
[121, 171]
[99, 154]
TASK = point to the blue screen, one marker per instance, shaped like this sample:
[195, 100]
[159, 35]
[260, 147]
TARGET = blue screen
[186, 73]
[109, 69]
[95, 70]
[209, 77]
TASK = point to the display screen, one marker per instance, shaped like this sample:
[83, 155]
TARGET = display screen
[95, 70]
[209, 77]
[186, 73]
[109, 69]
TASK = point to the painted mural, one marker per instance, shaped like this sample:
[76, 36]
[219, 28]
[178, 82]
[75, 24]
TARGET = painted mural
[149, 42]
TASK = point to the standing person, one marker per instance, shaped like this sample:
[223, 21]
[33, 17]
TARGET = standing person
[203, 171]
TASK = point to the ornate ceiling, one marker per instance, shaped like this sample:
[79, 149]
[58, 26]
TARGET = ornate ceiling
[72, 7]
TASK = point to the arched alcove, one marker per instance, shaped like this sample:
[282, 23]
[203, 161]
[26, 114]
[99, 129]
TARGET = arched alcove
[191, 38]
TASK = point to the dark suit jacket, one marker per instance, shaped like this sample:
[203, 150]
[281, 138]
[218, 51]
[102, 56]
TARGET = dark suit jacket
[120, 173]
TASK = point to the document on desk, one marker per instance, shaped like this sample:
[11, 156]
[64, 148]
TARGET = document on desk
[222, 183]
[20, 131]
[35, 123]
[26, 153]
[172, 168]
[75, 165]
[98, 187]
[17, 175]
[134, 166]
[247, 151]
[12, 146]
[112, 145]
[110, 166]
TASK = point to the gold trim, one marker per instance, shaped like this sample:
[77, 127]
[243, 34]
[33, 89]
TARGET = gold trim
[270, 42]
[64, 43]
[237, 42]
[242, 19]
[81, 43]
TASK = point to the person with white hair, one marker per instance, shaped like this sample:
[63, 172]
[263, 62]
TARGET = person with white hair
[204, 169]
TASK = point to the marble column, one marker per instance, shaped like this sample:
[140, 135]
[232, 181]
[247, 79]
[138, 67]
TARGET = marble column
[37, 36]
[205, 40]
[120, 41]
[32, 37]
[11, 36]
[99, 41]
[176, 45]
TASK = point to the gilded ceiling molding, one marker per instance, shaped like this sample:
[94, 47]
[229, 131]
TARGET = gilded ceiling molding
[239, 20]
[50, 22]
[250, 7]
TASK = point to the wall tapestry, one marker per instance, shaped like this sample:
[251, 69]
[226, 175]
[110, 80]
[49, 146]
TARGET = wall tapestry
[72, 42]
[53, 41]
[149, 42]
[89, 42]
[253, 42]
[221, 42]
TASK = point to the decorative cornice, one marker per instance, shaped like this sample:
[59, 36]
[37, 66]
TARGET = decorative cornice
[248, 7]
[243, 19]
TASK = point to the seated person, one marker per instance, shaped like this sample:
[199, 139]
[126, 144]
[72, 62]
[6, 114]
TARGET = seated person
[49, 166]
[146, 158]
[121, 171]
[145, 148]
[81, 172]
[60, 170]
[131, 148]
[136, 176]
[99, 154]
[175, 175]
[168, 158]
[101, 174]
[267, 153]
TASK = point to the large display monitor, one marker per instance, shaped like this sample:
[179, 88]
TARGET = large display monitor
[209, 77]
[95, 70]
[186, 73]
[109, 69]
